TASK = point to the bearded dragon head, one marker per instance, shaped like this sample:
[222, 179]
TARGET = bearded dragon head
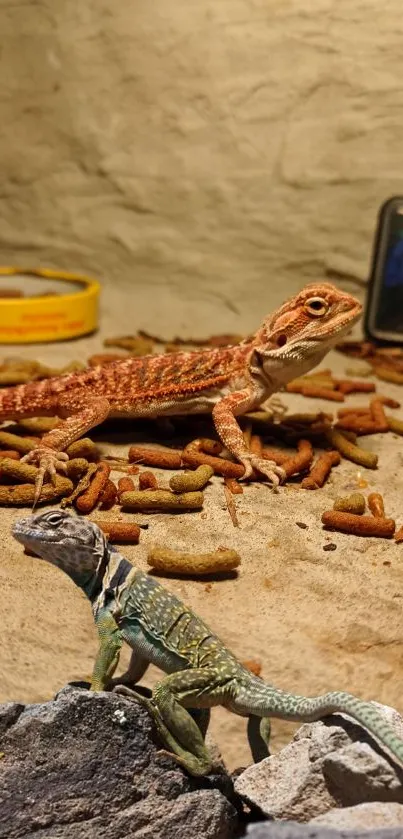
[298, 335]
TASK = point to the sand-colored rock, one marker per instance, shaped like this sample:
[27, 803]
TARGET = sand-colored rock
[331, 764]
[291, 830]
[366, 816]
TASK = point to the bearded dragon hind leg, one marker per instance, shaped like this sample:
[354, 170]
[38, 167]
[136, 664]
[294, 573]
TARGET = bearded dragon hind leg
[49, 461]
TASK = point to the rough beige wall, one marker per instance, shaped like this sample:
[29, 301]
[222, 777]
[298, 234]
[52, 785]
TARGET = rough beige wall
[201, 152]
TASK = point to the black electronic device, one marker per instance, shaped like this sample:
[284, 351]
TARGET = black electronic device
[384, 306]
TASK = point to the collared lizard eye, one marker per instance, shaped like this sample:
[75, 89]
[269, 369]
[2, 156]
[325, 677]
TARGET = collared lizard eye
[54, 519]
[316, 306]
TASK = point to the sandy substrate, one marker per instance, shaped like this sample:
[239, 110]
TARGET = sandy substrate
[318, 620]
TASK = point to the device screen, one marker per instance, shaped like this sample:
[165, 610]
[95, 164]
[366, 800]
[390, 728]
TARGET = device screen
[389, 310]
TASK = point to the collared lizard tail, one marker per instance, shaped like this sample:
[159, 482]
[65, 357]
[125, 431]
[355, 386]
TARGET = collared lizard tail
[265, 701]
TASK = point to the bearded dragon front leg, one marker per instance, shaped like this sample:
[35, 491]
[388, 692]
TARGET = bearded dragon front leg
[224, 413]
[274, 406]
[79, 413]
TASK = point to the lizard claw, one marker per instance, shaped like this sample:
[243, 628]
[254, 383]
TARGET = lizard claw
[274, 406]
[124, 690]
[274, 473]
[246, 462]
[47, 460]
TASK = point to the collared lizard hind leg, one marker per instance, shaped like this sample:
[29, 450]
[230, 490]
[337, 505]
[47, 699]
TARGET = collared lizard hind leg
[174, 701]
[259, 730]
[201, 717]
[193, 755]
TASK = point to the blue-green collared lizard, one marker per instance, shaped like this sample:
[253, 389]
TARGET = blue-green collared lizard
[131, 606]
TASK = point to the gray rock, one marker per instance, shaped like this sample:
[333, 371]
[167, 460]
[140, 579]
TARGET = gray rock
[329, 764]
[9, 712]
[84, 766]
[370, 815]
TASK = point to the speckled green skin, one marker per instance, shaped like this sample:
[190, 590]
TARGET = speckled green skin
[133, 607]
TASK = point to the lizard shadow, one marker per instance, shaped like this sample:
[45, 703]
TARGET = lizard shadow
[214, 577]
[177, 431]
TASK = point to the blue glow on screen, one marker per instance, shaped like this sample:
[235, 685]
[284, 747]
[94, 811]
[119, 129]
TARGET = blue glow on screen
[394, 265]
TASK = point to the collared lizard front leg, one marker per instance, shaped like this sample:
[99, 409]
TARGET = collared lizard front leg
[135, 671]
[110, 643]
[79, 413]
[224, 413]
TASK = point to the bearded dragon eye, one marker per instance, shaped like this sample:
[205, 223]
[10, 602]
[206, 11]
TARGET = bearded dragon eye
[316, 306]
[281, 340]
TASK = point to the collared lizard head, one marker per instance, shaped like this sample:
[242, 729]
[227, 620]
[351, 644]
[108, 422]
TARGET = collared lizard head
[305, 327]
[74, 544]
